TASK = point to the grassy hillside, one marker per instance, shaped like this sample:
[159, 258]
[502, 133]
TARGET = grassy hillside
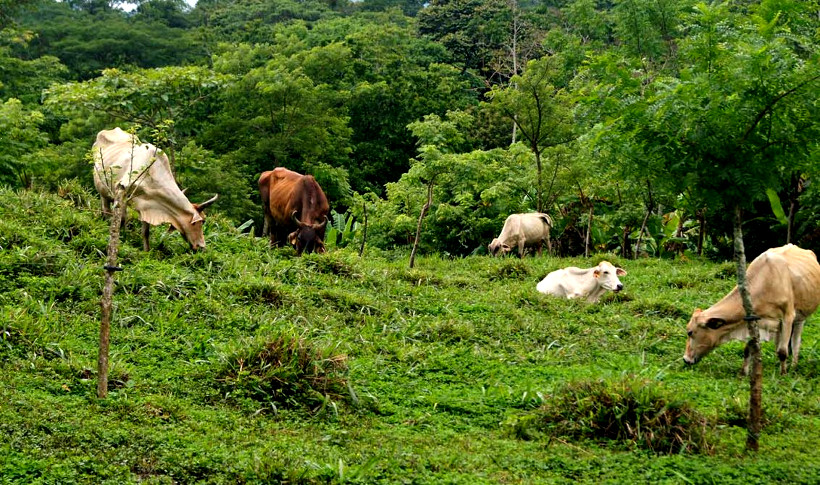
[242, 364]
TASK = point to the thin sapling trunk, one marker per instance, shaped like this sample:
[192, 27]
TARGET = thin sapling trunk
[106, 303]
[421, 217]
[753, 346]
[364, 230]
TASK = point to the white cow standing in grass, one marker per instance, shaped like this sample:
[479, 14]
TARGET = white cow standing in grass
[522, 230]
[589, 283]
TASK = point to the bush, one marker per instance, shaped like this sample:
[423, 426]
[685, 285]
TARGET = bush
[284, 370]
[633, 412]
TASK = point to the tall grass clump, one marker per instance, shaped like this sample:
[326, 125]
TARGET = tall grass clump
[283, 370]
[636, 413]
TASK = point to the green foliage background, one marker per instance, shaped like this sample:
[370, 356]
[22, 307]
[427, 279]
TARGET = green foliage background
[607, 97]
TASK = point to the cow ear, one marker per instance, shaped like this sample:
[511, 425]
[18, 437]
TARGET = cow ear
[696, 312]
[715, 323]
[596, 273]
[292, 239]
[620, 272]
[196, 218]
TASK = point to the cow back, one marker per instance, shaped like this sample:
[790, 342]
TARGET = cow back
[289, 191]
[804, 275]
[120, 160]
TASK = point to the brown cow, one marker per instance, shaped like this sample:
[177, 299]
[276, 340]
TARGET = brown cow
[784, 285]
[120, 160]
[295, 209]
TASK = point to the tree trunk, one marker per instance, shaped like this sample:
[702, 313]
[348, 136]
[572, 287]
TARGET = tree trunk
[790, 225]
[539, 190]
[421, 217]
[626, 248]
[640, 234]
[364, 233]
[756, 374]
[701, 214]
[514, 54]
[108, 290]
[589, 230]
[794, 194]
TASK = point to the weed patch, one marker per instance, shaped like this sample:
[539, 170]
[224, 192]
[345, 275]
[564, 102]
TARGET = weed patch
[329, 264]
[418, 278]
[284, 370]
[635, 413]
[511, 269]
[260, 291]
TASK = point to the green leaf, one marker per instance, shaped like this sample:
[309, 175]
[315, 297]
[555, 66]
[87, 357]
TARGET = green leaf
[777, 208]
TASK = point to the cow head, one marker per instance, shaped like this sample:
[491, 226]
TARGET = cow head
[497, 248]
[607, 276]
[192, 230]
[704, 332]
[307, 237]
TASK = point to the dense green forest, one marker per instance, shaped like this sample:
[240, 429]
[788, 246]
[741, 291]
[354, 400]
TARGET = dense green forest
[631, 122]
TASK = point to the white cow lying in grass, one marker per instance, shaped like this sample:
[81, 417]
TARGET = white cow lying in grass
[589, 283]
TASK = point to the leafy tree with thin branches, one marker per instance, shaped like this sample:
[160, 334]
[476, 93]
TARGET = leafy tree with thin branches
[743, 115]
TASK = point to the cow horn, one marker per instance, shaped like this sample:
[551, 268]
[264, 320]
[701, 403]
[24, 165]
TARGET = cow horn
[208, 202]
[324, 223]
[295, 219]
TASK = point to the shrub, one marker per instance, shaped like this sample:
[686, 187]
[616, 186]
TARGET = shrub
[634, 412]
[284, 370]
[510, 269]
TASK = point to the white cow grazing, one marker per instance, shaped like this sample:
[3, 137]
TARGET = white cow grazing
[120, 160]
[530, 229]
[589, 283]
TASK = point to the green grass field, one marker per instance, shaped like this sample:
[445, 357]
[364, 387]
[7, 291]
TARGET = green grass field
[242, 364]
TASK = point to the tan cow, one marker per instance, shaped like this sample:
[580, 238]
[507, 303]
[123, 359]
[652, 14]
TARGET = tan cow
[589, 283]
[522, 230]
[122, 161]
[784, 285]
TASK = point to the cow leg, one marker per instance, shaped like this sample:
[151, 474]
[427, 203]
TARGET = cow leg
[267, 224]
[796, 338]
[278, 236]
[124, 219]
[783, 339]
[540, 247]
[521, 249]
[105, 204]
[747, 357]
[549, 243]
[146, 236]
